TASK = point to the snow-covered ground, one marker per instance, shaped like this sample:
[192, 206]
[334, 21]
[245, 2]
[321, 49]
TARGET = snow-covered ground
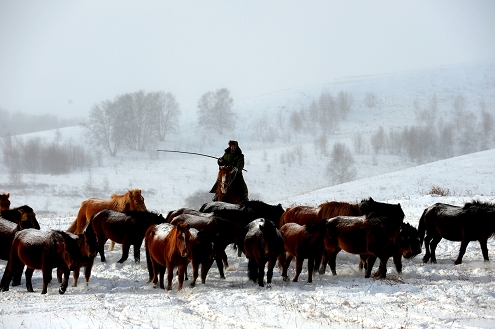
[423, 296]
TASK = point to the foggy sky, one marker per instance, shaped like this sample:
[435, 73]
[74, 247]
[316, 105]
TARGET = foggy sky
[62, 57]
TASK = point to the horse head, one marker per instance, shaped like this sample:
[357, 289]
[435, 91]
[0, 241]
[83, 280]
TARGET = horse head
[182, 237]
[28, 218]
[408, 241]
[136, 200]
[4, 201]
[88, 242]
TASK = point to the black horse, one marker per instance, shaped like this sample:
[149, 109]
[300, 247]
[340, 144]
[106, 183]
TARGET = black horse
[474, 221]
[368, 206]
[263, 244]
[245, 212]
[24, 216]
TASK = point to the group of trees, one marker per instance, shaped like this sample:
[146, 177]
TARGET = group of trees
[37, 156]
[136, 121]
[133, 121]
[18, 123]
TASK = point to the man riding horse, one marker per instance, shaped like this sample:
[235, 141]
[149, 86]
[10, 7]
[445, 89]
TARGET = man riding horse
[232, 157]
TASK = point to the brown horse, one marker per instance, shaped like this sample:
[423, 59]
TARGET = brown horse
[174, 213]
[371, 238]
[4, 201]
[303, 242]
[24, 216]
[44, 251]
[229, 189]
[475, 221]
[202, 253]
[132, 200]
[126, 228]
[167, 247]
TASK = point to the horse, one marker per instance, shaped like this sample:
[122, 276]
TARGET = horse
[4, 201]
[301, 241]
[126, 228]
[174, 213]
[474, 221]
[202, 253]
[86, 260]
[45, 251]
[263, 244]
[222, 231]
[24, 216]
[229, 189]
[8, 229]
[245, 212]
[371, 237]
[167, 246]
[132, 200]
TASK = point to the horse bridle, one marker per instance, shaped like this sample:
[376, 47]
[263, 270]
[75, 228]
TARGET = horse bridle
[226, 186]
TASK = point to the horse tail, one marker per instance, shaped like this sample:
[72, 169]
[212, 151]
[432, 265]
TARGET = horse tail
[422, 227]
[167, 218]
[72, 227]
[203, 207]
[252, 270]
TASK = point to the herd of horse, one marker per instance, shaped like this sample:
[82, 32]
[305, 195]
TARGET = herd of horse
[266, 234]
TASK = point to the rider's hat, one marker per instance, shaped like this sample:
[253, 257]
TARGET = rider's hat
[231, 142]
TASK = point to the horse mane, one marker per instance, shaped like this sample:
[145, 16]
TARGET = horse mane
[174, 233]
[120, 202]
[486, 206]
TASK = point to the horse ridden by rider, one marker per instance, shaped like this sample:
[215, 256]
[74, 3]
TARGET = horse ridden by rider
[233, 161]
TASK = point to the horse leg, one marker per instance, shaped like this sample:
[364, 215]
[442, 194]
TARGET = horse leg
[161, 275]
[362, 261]
[433, 246]
[170, 275]
[269, 272]
[182, 269]
[205, 267]
[382, 269]
[16, 281]
[484, 249]
[29, 275]
[323, 263]
[75, 276]
[224, 259]
[332, 257]
[218, 260]
[311, 266]
[462, 251]
[369, 266]
[299, 264]
[284, 260]
[195, 271]
[137, 252]
[261, 272]
[111, 245]
[125, 252]
[398, 262]
[65, 283]
[427, 255]
[60, 272]
[47, 277]
[101, 247]
[87, 272]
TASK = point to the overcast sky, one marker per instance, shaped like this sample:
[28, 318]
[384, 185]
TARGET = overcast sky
[62, 57]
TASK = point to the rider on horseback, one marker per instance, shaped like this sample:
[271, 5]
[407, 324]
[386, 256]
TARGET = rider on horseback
[232, 157]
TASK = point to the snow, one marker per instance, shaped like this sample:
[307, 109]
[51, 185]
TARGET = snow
[423, 296]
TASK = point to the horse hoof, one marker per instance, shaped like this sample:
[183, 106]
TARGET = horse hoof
[61, 291]
[334, 272]
[15, 284]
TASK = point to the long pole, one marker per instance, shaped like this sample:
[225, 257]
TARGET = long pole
[200, 154]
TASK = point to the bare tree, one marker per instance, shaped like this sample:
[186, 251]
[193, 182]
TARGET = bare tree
[378, 140]
[105, 127]
[341, 168]
[358, 142]
[328, 111]
[344, 101]
[215, 111]
[166, 113]
[370, 100]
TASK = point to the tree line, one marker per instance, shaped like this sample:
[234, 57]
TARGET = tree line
[136, 121]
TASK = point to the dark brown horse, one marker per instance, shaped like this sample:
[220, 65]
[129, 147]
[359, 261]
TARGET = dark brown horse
[8, 230]
[132, 200]
[229, 189]
[475, 221]
[126, 228]
[263, 244]
[167, 247]
[4, 201]
[174, 213]
[302, 242]
[44, 251]
[202, 253]
[86, 260]
[23, 215]
[371, 238]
